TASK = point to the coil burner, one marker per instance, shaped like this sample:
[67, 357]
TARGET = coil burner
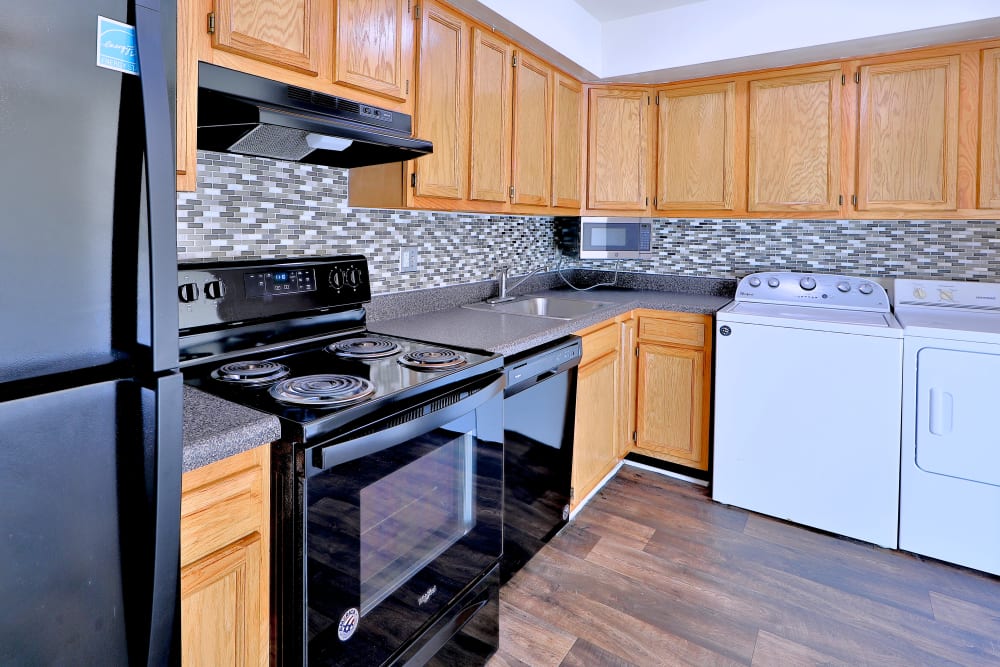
[369, 347]
[435, 359]
[250, 373]
[323, 390]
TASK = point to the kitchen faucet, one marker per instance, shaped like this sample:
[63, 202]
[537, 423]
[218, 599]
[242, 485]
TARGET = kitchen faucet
[502, 275]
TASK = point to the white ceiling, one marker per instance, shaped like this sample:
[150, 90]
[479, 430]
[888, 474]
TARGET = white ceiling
[603, 10]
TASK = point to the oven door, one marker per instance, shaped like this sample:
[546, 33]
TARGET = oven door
[399, 522]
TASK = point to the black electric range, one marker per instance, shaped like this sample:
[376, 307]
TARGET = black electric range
[387, 481]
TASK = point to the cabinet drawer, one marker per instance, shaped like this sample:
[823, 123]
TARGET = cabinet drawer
[598, 343]
[220, 512]
[672, 331]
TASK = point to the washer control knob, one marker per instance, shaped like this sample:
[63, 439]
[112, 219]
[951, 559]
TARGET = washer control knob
[866, 288]
[919, 293]
[754, 282]
[844, 286]
[808, 283]
[773, 282]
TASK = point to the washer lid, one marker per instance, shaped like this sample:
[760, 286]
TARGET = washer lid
[864, 322]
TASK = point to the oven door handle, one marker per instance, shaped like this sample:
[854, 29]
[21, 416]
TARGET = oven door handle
[341, 452]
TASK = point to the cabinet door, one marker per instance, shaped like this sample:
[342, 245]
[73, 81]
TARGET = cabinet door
[908, 136]
[595, 444]
[374, 39]
[696, 163]
[442, 103]
[283, 32]
[669, 414]
[532, 132]
[627, 397]
[989, 169]
[491, 115]
[567, 142]
[220, 604]
[618, 157]
[795, 142]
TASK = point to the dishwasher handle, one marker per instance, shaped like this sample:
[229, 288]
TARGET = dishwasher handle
[527, 371]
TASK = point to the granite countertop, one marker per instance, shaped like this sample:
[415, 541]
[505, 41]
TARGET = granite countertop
[511, 334]
[215, 429]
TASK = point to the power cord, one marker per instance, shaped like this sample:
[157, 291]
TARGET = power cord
[613, 282]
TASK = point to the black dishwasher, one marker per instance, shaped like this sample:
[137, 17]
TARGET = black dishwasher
[539, 410]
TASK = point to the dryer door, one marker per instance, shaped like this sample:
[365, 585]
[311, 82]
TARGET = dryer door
[957, 414]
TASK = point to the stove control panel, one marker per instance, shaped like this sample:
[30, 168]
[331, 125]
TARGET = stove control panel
[219, 295]
[813, 289]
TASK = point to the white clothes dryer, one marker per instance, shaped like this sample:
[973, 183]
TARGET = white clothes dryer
[950, 469]
[807, 403]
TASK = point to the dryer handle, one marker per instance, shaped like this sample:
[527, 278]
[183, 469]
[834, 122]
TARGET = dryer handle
[941, 412]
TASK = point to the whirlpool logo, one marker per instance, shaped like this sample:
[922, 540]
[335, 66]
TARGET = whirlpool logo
[426, 597]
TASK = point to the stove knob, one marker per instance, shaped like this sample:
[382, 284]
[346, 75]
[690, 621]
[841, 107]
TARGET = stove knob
[215, 289]
[353, 277]
[844, 286]
[187, 292]
[336, 279]
[773, 282]
[754, 282]
[866, 288]
[919, 293]
[808, 283]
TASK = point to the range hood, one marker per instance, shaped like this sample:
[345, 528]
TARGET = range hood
[250, 115]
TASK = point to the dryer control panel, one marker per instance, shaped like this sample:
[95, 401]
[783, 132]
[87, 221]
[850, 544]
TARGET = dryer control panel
[813, 289]
[947, 294]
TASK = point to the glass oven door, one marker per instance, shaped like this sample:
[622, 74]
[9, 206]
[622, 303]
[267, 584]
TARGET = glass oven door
[399, 522]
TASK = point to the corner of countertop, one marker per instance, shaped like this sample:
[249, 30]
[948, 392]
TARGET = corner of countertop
[215, 429]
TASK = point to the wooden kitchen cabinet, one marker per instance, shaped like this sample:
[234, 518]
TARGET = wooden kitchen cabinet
[795, 141]
[225, 562]
[908, 135]
[989, 155]
[490, 108]
[673, 387]
[287, 33]
[697, 148]
[599, 390]
[618, 149]
[531, 139]
[374, 46]
[567, 142]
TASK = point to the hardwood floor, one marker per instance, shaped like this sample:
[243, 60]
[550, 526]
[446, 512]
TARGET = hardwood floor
[652, 572]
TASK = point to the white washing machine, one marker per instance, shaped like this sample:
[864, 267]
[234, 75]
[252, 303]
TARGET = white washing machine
[807, 403]
[949, 502]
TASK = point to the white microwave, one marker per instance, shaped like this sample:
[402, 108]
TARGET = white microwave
[615, 238]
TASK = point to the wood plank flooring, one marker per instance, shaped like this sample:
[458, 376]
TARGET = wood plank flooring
[652, 572]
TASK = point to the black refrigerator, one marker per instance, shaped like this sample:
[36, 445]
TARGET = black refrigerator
[90, 395]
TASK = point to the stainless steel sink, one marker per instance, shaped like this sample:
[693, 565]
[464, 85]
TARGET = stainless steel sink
[542, 306]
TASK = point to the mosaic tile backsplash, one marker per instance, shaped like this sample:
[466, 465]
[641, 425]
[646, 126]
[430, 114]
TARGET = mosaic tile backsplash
[253, 207]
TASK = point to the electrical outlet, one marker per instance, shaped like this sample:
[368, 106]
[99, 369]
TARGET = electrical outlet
[409, 259]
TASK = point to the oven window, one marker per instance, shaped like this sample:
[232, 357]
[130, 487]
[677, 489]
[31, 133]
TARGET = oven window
[411, 516]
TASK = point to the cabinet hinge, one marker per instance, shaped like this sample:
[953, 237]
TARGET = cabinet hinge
[843, 79]
[647, 201]
[407, 86]
[637, 352]
[857, 77]
[654, 202]
[413, 180]
[657, 99]
[635, 436]
[513, 60]
[408, 7]
[416, 12]
[572, 493]
[512, 192]
[854, 200]
[211, 23]
[648, 100]
[840, 200]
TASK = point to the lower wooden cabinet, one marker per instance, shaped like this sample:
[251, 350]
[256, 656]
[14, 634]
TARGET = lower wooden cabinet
[673, 387]
[644, 386]
[224, 562]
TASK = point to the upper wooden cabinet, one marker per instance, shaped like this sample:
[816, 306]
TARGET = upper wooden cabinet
[567, 142]
[989, 154]
[286, 33]
[374, 46]
[794, 151]
[618, 159]
[908, 135]
[492, 76]
[696, 157]
[531, 144]
[441, 114]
